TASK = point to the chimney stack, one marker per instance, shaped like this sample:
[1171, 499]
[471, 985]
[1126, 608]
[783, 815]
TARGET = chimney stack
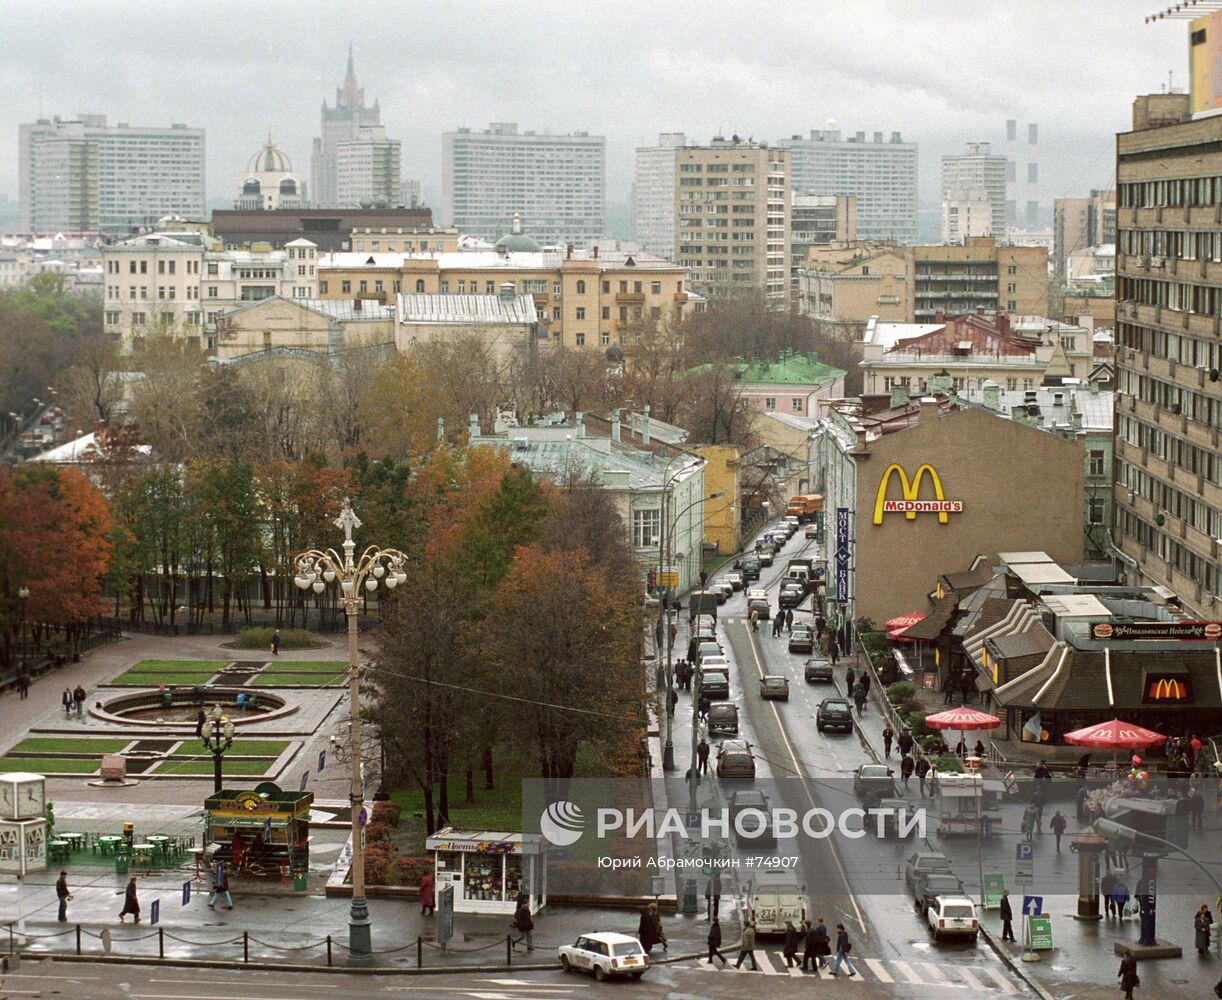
[596, 251]
[615, 427]
[569, 254]
[473, 426]
[645, 425]
[939, 316]
[1003, 324]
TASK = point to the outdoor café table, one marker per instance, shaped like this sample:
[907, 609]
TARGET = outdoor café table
[146, 853]
[108, 843]
[162, 843]
[75, 840]
[59, 850]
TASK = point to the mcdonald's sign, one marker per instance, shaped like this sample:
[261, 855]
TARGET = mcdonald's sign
[1167, 687]
[910, 505]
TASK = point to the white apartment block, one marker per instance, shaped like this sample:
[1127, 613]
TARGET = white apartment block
[85, 175]
[181, 283]
[966, 212]
[556, 183]
[978, 169]
[367, 170]
[881, 175]
[653, 202]
[1022, 174]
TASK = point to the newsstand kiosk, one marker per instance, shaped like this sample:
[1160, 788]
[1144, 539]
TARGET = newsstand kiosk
[489, 871]
[264, 832]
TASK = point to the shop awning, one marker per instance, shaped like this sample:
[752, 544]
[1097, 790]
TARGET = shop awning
[931, 627]
[897, 626]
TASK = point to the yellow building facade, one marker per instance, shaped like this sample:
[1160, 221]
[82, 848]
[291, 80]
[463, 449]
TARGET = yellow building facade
[721, 516]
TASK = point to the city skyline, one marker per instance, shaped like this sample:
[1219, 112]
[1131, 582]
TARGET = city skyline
[427, 86]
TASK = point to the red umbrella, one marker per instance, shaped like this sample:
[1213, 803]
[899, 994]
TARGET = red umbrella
[896, 626]
[1114, 735]
[962, 718]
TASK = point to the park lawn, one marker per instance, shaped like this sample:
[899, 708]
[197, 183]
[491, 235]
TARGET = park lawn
[152, 679]
[144, 666]
[55, 744]
[50, 765]
[247, 768]
[306, 667]
[240, 748]
[297, 680]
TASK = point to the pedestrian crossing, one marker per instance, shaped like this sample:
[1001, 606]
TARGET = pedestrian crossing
[936, 975]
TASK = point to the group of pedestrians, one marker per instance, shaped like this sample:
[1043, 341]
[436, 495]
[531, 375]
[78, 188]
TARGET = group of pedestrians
[814, 940]
[73, 701]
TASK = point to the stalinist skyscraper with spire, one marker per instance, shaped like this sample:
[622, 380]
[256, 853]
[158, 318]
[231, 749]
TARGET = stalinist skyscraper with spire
[348, 122]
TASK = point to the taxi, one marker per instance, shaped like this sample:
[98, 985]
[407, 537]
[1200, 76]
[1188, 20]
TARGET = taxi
[606, 954]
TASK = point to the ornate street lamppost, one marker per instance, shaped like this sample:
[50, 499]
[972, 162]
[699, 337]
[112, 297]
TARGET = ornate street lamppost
[217, 734]
[314, 570]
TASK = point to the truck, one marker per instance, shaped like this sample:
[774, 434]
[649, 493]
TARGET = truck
[802, 568]
[805, 507]
[703, 602]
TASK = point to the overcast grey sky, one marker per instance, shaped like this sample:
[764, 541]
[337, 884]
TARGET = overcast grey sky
[941, 72]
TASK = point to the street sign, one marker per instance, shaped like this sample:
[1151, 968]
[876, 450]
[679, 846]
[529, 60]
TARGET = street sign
[1010, 782]
[819, 571]
[994, 886]
[1024, 863]
[1033, 906]
[667, 579]
[692, 820]
[186, 892]
[842, 555]
[219, 873]
[445, 912]
[322, 760]
[658, 885]
[1039, 933]
[155, 911]
[362, 818]
[1024, 852]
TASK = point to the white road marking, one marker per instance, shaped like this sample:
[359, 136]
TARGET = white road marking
[969, 978]
[766, 963]
[937, 976]
[227, 983]
[1005, 985]
[905, 970]
[876, 966]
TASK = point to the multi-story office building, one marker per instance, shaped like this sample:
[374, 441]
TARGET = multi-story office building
[979, 274]
[1022, 174]
[732, 216]
[979, 169]
[653, 195]
[818, 220]
[966, 212]
[342, 123]
[556, 183]
[1168, 459]
[843, 285]
[86, 175]
[1079, 223]
[269, 182]
[367, 170]
[881, 175]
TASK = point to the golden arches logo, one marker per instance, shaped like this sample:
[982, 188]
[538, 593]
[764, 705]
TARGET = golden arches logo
[1168, 689]
[910, 505]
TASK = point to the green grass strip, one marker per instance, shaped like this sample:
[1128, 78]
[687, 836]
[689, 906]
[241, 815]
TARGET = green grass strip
[55, 744]
[134, 678]
[49, 765]
[240, 748]
[298, 680]
[305, 667]
[144, 666]
[248, 768]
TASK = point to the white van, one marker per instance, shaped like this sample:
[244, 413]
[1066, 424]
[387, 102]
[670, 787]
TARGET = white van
[776, 898]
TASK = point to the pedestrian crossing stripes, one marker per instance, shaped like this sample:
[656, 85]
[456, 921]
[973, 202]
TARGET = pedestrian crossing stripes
[886, 971]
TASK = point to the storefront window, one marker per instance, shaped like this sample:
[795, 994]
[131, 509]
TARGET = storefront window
[514, 885]
[484, 877]
[449, 863]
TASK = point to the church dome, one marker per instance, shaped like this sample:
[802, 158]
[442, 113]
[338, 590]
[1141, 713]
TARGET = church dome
[269, 159]
[517, 241]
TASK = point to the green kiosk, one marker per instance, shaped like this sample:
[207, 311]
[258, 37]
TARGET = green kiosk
[264, 832]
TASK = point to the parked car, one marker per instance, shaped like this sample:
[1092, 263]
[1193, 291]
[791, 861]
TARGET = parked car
[774, 686]
[735, 580]
[765, 556]
[605, 954]
[834, 713]
[747, 798]
[704, 621]
[720, 662]
[735, 760]
[757, 601]
[723, 718]
[801, 640]
[709, 647]
[722, 589]
[891, 811]
[755, 833]
[932, 884]
[923, 862]
[704, 633]
[750, 567]
[819, 669]
[775, 899]
[792, 521]
[952, 916]
[874, 781]
[792, 594]
[715, 682]
[812, 531]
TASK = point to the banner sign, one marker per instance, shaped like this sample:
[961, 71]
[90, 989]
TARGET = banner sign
[842, 555]
[1195, 631]
[994, 885]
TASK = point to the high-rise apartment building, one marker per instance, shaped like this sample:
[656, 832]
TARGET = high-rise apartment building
[817, 220]
[881, 175]
[979, 274]
[555, 183]
[342, 123]
[966, 212]
[653, 195]
[1079, 223]
[1022, 174]
[732, 214]
[977, 168]
[1168, 458]
[367, 170]
[86, 175]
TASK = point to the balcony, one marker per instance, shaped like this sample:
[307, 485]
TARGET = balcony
[630, 298]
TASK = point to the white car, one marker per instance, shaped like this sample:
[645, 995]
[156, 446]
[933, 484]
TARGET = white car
[605, 954]
[952, 916]
[735, 580]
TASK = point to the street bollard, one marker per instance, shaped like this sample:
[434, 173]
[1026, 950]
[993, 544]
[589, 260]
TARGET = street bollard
[78, 939]
[509, 949]
[328, 951]
[160, 942]
[245, 946]
[419, 951]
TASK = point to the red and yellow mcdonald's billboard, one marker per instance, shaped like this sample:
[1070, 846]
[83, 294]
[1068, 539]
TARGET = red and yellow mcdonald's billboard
[1163, 688]
[910, 503]
[1205, 62]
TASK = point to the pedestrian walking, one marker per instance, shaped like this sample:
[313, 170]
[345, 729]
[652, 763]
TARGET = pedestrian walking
[428, 896]
[1129, 980]
[746, 947]
[66, 700]
[922, 773]
[948, 689]
[1028, 823]
[644, 930]
[905, 742]
[702, 757]
[778, 623]
[789, 620]
[659, 935]
[1038, 798]
[753, 617]
[23, 682]
[906, 771]
[1041, 773]
[865, 681]
[968, 687]
[672, 701]
[715, 941]
[78, 700]
[220, 886]
[63, 895]
[1057, 825]
[712, 895]
[888, 736]
[823, 943]
[1201, 924]
[703, 707]
[859, 697]
[276, 643]
[1007, 917]
[843, 947]
[850, 678]
[833, 651]
[792, 937]
[524, 924]
[1196, 809]
[1107, 889]
[1080, 800]
[131, 904]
